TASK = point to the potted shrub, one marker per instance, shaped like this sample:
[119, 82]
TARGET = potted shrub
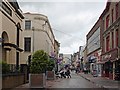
[37, 69]
[5, 67]
[50, 67]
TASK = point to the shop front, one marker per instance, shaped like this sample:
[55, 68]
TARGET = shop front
[108, 66]
[117, 70]
[95, 62]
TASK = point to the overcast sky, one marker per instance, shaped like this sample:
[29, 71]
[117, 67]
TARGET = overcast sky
[70, 20]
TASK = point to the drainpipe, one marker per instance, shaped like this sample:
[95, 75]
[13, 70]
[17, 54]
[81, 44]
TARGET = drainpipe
[33, 40]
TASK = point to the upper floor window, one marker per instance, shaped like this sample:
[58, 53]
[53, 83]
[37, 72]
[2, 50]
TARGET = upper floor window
[108, 43]
[117, 37]
[6, 8]
[116, 11]
[112, 15]
[27, 44]
[107, 21]
[27, 24]
[112, 39]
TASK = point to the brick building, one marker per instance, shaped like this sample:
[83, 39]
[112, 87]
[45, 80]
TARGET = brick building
[111, 39]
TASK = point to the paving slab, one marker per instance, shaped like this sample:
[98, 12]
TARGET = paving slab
[101, 81]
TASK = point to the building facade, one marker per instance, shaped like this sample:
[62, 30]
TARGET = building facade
[11, 33]
[111, 39]
[56, 54]
[94, 48]
[37, 35]
[57, 48]
[67, 59]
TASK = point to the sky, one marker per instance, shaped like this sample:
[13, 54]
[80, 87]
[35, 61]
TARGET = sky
[70, 20]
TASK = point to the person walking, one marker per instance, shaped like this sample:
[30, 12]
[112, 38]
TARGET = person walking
[62, 73]
[67, 73]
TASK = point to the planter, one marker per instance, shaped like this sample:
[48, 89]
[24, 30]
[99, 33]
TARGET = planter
[50, 75]
[37, 80]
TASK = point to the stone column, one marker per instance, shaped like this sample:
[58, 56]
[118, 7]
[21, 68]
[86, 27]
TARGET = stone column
[8, 56]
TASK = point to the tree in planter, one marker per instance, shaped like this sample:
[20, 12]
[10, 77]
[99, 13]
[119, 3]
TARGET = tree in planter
[50, 71]
[37, 69]
[51, 64]
[39, 62]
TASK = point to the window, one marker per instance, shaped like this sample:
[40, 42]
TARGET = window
[117, 11]
[27, 24]
[112, 15]
[27, 44]
[116, 37]
[107, 21]
[112, 39]
[6, 8]
[108, 43]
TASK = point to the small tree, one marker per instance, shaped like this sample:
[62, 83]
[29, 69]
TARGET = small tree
[39, 62]
[51, 64]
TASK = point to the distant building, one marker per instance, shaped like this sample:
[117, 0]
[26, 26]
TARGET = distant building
[75, 58]
[67, 59]
[85, 60]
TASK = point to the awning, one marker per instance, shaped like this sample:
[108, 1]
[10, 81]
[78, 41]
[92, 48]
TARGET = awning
[102, 62]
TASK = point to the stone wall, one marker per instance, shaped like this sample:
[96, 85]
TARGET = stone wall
[13, 80]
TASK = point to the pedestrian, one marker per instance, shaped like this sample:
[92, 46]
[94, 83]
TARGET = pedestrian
[67, 73]
[62, 73]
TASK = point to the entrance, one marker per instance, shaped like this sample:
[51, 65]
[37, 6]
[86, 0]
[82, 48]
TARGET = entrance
[117, 70]
[108, 68]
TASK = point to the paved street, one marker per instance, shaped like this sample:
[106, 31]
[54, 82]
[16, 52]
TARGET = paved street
[78, 81]
[75, 82]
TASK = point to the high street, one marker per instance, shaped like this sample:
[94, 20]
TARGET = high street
[75, 82]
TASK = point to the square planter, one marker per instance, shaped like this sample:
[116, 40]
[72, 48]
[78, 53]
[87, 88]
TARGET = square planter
[50, 75]
[37, 80]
